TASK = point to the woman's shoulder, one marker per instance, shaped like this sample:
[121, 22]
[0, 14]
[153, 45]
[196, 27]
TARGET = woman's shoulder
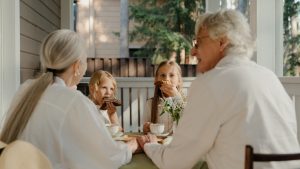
[63, 95]
[76, 102]
[79, 95]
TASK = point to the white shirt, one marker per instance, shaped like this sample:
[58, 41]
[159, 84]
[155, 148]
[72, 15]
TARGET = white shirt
[236, 103]
[104, 115]
[67, 127]
[165, 118]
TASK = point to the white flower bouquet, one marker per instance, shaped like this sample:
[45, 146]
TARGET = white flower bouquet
[174, 106]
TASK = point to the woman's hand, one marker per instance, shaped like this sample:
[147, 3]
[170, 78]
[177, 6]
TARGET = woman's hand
[149, 138]
[133, 145]
[146, 127]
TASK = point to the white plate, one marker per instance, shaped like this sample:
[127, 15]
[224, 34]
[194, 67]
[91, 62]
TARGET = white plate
[161, 135]
[122, 138]
[118, 134]
[167, 140]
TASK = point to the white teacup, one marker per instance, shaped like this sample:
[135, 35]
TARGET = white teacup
[157, 128]
[113, 129]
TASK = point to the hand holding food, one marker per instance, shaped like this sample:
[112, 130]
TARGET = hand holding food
[110, 103]
[161, 82]
[168, 89]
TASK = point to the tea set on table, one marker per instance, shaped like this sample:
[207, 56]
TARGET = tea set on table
[155, 128]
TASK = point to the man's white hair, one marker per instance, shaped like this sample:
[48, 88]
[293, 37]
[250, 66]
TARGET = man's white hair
[231, 24]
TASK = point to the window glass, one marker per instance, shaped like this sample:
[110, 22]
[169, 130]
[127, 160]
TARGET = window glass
[241, 5]
[291, 24]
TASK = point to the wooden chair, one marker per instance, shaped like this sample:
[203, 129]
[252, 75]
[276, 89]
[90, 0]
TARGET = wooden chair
[251, 157]
[22, 155]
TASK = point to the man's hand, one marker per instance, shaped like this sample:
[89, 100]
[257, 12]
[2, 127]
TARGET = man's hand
[149, 138]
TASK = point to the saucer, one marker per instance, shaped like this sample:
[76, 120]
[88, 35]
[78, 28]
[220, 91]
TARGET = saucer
[161, 135]
[124, 138]
[167, 140]
[118, 134]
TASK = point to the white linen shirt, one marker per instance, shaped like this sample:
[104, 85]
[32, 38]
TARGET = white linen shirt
[165, 118]
[67, 127]
[105, 116]
[236, 103]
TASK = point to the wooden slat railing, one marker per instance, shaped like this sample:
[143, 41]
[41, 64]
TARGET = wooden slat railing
[131, 67]
[134, 92]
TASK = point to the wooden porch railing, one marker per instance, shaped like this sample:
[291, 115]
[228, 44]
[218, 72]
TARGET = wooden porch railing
[134, 92]
[135, 85]
[131, 67]
[134, 78]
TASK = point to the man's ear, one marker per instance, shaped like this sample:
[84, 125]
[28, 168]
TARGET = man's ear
[223, 43]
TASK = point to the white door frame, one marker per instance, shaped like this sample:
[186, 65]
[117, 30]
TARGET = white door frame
[9, 52]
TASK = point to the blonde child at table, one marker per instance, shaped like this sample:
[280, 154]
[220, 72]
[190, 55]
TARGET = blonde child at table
[103, 85]
[170, 72]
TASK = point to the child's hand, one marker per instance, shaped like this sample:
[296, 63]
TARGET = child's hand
[111, 109]
[110, 103]
[146, 127]
[169, 90]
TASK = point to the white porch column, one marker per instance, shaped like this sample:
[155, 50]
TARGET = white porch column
[269, 22]
[9, 52]
[124, 50]
[279, 49]
[85, 24]
[66, 10]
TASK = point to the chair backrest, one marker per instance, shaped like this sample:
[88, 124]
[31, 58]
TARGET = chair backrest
[251, 157]
[22, 155]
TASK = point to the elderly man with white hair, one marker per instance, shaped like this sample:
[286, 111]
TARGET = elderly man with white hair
[232, 102]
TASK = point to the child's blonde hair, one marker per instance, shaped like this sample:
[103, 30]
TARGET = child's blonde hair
[158, 93]
[97, 78]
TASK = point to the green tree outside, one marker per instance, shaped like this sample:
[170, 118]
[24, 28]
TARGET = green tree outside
[291, 39]
[165, 26]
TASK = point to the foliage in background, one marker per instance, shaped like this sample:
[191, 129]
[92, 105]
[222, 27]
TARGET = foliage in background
[291, 42]
[165, 26]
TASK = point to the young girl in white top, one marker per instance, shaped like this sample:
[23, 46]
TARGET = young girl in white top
[170, 73]
[103, 86]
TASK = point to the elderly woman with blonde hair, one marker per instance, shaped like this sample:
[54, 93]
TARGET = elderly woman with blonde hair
[62, 122]
[232, 102]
